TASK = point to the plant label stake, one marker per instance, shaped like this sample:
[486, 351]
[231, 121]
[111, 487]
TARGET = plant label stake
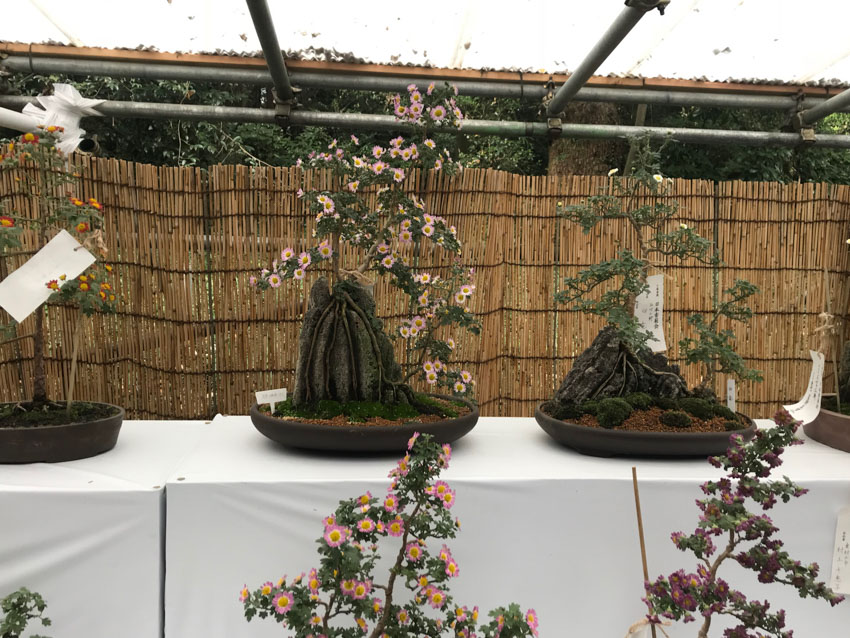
[649, 311]
[25, 289]
[640, 534]
[807, 408]
[271, 397]
[730, 395]
[840, 581]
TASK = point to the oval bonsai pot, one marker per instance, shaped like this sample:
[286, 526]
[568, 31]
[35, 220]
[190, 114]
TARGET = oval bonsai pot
[55, 443]
[602, 442]
[830, 428]
[361, 438]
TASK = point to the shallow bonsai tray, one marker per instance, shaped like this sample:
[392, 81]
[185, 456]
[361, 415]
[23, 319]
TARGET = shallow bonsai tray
[830, 428]
[602, 442]
[56, 443]
[361, 438]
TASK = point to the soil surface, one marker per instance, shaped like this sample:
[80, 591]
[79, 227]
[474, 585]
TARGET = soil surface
[21, 415]
[342, 420]
[648, 421]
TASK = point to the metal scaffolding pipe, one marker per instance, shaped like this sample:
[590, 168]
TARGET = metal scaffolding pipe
[827, 107]
[473, 127]
[264, 27]
[619, 29]
[363, 82]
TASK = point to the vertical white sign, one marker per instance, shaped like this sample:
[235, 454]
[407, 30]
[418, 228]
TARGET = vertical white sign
[649, 311]
[731, 395]
[807, 408]
[840, 581]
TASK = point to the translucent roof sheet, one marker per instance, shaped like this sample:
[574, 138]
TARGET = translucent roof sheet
[764, 41]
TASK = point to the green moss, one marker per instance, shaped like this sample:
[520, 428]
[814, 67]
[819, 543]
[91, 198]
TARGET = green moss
[731, 426]
[675, 419]
[722, 411]
[700, 408]
[360, 411]
[565, 411]
[590, 407]
[22, 415]
[612, 412]
[451, 412]
[664, 403]
[639, 400]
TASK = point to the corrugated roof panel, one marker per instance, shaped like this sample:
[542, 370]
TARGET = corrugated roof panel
[782, 41]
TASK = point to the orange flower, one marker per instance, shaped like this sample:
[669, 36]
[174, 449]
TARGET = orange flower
[53, 284]
[83, 278]
[76, 202]
[84, 286]
[111, 297]
[51, 129]
[7, 222]
[107, 267]
[61, 277]
[29, 138]
[82, 227]
[102, 295]
[105, 286]
[95, 203]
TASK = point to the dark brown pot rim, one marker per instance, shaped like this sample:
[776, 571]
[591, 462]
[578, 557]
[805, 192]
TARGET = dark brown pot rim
[118, 410]
[362, 438]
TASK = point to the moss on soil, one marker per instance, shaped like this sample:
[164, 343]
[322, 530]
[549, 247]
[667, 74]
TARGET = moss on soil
[362, 411]
[22, 415]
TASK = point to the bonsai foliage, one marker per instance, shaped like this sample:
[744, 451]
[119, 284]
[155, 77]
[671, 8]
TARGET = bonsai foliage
[46, 178]
[728, 530]
[18, 609]
[713, 347]
[370, 224]
[629, 269]
[343, 598]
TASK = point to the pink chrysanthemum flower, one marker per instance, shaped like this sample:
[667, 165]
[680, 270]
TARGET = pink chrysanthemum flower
[377, 605]
[383, 248]
[438, 164]
[313, 581]
[244, 594]
[252, 281]
[417, 322]
[353, 186]
[362, 624]
[412, 440]
[405, 237]
[404, 331]
[459, 387]
[396, 142]
[413, 552]
[423, 299]
[460, 298]
[449, 499]
[283, 602]
[438, 365]
[325, 251]
[354, 139]
[378, 167]
[335, 535]
[416, 110]
[286, 254]
[430, 143]
[347, 587]
[391, 503]
[267, 588]
[452, 568]
[400, 110]
[438, 113]
[403, 617]
[359, 162]
[304, 259]
[406, 154]
[364, 499]
[377, 151]
[327, 521]
[437, 598]
[428, 366]
[274, 280]
[531, 620]
[388, 261]
[427, 230]
[298, 275]
[362, 589]
[366, 525]
[396, 526]
[465, 376]
[431, 377]
[398, 174]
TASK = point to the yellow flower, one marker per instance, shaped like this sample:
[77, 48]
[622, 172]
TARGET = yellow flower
[658, 178]
[613, 172]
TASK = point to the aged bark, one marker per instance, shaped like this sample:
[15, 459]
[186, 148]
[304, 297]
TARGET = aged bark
[585, 157]
[608, 368]
[343, 352]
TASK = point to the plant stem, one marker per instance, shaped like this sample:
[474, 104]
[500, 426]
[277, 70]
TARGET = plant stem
[730, 547]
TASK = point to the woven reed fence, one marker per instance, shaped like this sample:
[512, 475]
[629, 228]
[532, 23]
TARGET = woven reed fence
[190, 339]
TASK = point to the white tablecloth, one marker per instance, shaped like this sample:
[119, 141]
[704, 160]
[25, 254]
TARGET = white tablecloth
[88, 534]
[541, 525]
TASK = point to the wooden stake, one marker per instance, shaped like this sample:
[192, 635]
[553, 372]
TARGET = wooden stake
[640, 534]
[69, 395]
[830, 337]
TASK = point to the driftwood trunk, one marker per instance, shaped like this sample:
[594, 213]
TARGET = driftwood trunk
[343, 352]
[608, 368]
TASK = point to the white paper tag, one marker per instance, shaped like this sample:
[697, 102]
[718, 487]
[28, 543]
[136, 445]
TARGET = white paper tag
[649, 311]
[807, 408]
[840, 581]
[730, 395]
[271, 396]
[26, 289]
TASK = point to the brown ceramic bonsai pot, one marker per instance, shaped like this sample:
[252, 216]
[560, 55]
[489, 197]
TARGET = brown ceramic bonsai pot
[830, 428]
[602, 442]
[55, 443]
[361, 438]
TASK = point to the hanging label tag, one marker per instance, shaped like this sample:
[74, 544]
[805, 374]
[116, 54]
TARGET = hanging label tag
[649, 311]
[807, 408]
[271, 397]
[730, 395]
[840, 581]
[26, 289]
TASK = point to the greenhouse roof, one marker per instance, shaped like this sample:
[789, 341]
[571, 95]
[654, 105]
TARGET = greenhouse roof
[751, 41]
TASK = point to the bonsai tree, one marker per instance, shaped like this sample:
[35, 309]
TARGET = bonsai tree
[618, 372]
[369, 225]
[729, 531]
[343, 598]
[18, 609]
[45, 182]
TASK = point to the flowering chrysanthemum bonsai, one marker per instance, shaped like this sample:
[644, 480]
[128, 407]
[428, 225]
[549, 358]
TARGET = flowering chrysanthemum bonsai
[343, 598]
[728, 531]
[45, 184]
[618, 373]
[369, 224]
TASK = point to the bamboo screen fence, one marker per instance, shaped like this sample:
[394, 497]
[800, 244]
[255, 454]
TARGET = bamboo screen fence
[191, 339]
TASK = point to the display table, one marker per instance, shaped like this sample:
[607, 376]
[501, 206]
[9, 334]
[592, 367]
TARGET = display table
[541, 525]
[88, 534]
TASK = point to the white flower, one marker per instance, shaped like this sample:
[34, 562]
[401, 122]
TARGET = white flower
[613, 172]
[658, 178]
[683, 226]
